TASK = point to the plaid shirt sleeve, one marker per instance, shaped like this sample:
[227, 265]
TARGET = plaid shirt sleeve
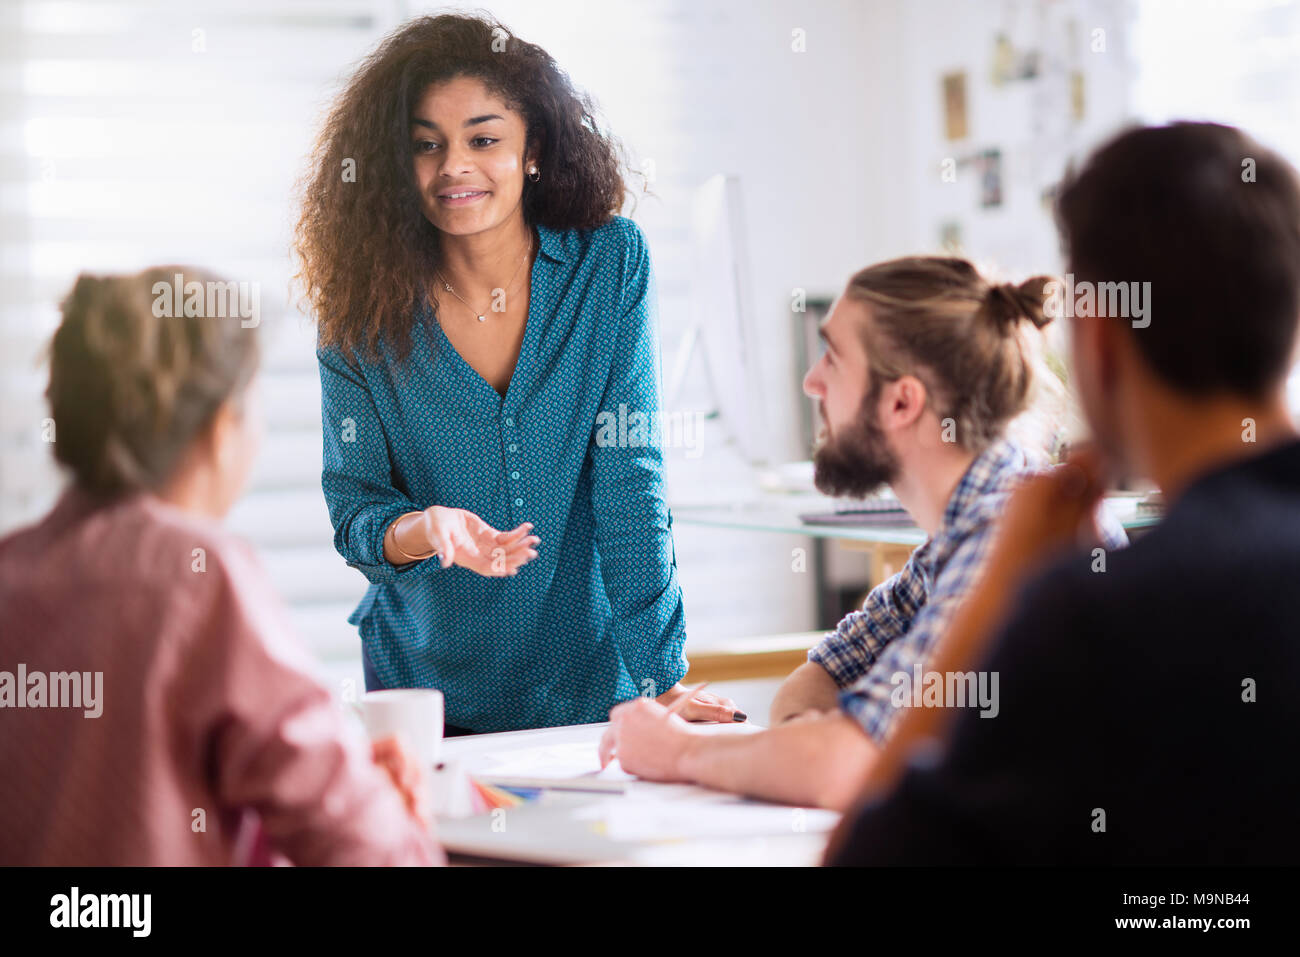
[869, 699]
[848, 651]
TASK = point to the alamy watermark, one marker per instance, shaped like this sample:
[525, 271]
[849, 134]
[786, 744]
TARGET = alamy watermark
[952, 689]
[130, 911]
[208, 300]
[635, 429]
[55, 689]
[1085, 299]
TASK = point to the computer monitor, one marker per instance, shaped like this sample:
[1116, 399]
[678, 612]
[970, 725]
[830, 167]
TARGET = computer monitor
[723, 319]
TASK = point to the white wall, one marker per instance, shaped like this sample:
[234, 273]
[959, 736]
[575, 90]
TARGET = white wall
[126, 145]
[1028, 120]
[123, 146]
[1227, 63]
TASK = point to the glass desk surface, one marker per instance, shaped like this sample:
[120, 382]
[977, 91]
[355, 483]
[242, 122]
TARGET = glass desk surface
[780, 514]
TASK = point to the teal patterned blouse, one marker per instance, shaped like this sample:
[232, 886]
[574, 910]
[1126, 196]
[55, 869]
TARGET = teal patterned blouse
[597, 617]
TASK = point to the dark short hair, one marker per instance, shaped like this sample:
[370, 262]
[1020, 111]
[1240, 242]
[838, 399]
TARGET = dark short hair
[1211, 219]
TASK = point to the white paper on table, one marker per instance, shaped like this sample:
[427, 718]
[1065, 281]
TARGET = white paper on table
[557, 762]
[574, 762]
[650, 820]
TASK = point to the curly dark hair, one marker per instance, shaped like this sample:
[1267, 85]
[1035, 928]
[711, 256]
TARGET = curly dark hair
[366, 251]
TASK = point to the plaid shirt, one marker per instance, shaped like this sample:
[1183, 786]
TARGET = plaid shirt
[901, 617]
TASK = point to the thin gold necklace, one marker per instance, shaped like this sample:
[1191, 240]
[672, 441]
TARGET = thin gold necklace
[482, 316]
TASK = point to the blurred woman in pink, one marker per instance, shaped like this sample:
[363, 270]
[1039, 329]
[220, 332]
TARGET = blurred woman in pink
[155, 706]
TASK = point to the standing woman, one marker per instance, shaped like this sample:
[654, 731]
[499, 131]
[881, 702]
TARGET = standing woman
[480, 303]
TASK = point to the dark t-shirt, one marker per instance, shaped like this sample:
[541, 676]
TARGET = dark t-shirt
[1126, 731]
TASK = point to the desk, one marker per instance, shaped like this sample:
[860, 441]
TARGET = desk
[779, 514]
[650, 823]
[747, 659]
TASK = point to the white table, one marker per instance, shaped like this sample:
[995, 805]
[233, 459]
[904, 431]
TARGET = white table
[649, 823]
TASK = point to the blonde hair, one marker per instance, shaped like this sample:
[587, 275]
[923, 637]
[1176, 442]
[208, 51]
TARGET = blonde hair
[129, 391]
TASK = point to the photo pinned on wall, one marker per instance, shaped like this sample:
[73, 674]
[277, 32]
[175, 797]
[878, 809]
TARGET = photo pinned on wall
[1078, 101]
[950, 238]
[990, 170]
[954, 106]
[1011, 64]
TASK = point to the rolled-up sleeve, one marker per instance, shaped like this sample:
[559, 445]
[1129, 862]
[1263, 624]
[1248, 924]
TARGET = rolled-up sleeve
[860, 638]
[357, 473]
[870, 700]
[633, 523]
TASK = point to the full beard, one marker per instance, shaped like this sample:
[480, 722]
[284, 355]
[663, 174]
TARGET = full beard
[858, 461]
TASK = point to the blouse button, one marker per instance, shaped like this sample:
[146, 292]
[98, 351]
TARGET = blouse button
[510, 421]
[513, 447]
[514, 475]
[518, 502]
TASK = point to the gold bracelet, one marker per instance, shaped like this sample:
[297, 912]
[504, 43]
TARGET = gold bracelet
[392, 532]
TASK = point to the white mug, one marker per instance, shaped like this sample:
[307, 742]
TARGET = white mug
[412, 714]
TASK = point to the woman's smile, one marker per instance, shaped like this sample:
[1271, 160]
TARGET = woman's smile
[461, 197]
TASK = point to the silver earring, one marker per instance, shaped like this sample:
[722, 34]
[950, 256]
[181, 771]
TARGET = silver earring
[534, 173]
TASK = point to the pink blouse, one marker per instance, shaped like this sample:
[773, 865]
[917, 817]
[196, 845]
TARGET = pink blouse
[193, 714]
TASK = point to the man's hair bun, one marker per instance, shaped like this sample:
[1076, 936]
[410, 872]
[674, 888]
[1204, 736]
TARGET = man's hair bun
[1006, 303]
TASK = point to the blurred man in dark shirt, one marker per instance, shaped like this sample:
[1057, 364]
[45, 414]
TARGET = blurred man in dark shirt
[1150, 698]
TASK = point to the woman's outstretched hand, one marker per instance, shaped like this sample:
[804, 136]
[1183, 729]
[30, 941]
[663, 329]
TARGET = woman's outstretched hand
[462, 538]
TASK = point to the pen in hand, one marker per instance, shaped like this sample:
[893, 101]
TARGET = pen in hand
[607, 750]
